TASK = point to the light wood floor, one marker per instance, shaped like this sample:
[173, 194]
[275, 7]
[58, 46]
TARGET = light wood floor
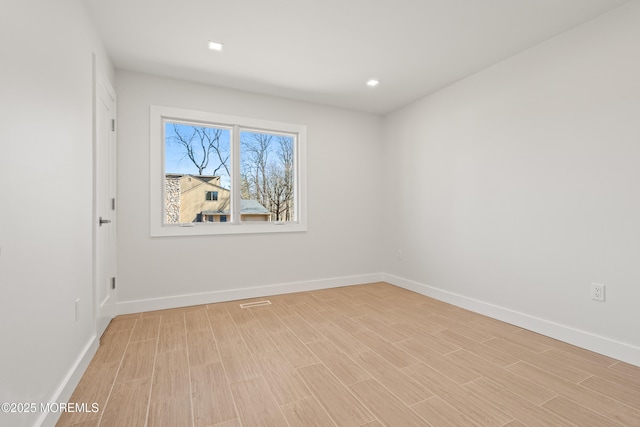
[367, 355]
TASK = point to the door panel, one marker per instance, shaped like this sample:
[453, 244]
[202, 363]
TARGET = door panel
[105, 196]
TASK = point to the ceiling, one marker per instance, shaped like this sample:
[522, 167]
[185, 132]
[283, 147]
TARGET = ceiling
[325, 51]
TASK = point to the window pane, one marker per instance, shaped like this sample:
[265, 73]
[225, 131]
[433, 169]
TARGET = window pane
[197, 172]
[267, 176]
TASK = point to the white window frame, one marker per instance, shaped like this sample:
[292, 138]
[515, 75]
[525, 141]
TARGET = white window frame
[158, 228]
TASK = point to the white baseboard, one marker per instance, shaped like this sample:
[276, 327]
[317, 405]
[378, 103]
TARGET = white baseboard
[127, 307]
[608, 347]
[69, 383]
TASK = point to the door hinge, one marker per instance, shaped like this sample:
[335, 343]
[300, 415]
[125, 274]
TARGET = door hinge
[113, 283]
[113, 125]
[113, 204]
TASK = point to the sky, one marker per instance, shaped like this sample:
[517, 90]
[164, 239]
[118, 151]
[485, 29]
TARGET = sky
[176, 160]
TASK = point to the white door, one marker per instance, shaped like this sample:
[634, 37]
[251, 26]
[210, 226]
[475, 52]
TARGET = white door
[105, 204]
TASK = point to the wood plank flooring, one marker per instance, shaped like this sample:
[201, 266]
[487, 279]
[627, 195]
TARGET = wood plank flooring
[367, 355]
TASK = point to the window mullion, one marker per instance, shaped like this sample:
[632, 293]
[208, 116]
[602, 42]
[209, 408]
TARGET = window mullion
[235, 175]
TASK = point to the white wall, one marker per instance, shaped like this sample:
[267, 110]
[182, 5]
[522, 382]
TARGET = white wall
[519, 187]
[512, 191]
[46, 199]
[344, 205]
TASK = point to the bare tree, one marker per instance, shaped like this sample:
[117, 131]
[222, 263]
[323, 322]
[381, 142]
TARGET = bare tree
[200, 143]
[255, 150]
[286, 155]
[267, 172]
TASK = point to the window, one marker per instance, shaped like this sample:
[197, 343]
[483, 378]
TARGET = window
[253, 174]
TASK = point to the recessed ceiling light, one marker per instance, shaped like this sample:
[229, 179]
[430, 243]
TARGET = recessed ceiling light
[215, 45]
[373, 83]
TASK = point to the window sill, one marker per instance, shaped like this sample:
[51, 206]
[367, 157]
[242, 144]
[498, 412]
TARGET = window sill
[213, 229]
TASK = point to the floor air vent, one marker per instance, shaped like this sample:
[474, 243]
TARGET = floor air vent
[255, 304]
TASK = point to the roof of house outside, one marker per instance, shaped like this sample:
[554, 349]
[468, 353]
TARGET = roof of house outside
[200, 177]
[252, 207]
[247, 207]
[210, 180]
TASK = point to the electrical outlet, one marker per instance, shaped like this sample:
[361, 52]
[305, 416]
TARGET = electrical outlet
[399, 255]
[597, 292]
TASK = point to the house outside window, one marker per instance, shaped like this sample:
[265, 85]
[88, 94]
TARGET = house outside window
[211, 195]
